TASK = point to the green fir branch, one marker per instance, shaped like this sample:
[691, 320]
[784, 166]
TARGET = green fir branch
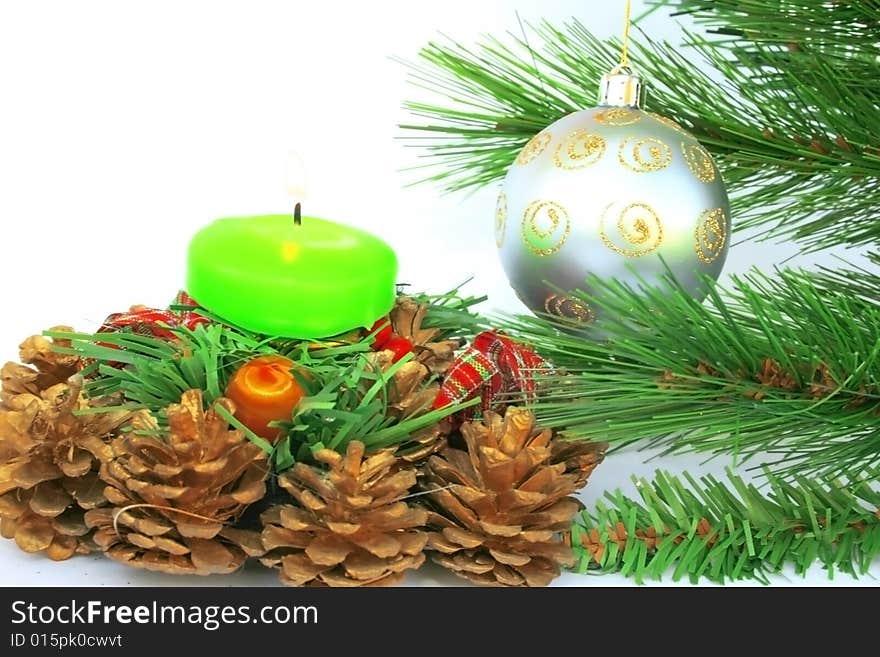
[729, 531]
[773, 365]
[347, 396]
[858, 280]
[452, 313]
[792, 128]
[833, 27]
[151, 372]
[347, 399]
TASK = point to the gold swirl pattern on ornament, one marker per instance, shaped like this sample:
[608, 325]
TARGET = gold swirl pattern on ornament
[579, 150]
[699, 161]
[500, 219]
[644, 155]
[710, 235]
[560, 305]
[617, 116]
[545, 227]
[534, 148]
[639, 230]
[669, 123]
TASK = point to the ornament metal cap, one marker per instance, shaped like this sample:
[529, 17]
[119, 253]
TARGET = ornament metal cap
[622, 87]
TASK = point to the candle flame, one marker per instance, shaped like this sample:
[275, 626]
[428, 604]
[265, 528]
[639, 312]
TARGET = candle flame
[295, 178]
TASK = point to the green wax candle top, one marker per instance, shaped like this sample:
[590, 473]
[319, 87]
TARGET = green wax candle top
[270, 275]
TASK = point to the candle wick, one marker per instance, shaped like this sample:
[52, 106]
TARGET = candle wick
[297, 214]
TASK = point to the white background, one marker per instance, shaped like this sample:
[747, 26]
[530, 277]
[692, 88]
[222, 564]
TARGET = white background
[125, 126]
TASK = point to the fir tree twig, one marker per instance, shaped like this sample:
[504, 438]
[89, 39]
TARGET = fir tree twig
[709, 529]
[789, 112]
[780, 365]
[452, 313]
[346, 394]
[152, 372]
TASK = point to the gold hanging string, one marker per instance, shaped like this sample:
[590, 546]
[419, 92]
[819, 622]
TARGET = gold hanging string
[188, 514]
[624, 52]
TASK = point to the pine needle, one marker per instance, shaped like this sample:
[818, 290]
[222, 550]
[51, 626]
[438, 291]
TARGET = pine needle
[789, 106]
[785, 365]
[346, 396]
[719, 531]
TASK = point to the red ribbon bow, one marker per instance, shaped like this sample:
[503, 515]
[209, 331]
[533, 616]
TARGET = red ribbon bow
[493, 367]
[152, 321]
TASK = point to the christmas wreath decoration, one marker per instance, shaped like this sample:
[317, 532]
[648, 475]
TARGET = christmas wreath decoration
[173, 442]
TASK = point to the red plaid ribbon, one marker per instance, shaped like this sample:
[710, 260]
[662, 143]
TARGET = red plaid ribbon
[152, 321]
[492, 367]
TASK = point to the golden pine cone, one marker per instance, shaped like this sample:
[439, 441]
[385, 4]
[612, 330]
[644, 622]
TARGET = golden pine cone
[411, 392]
[174, 493]
[499, 510]
[407, 317]
[351, 525]
[579, 456]
[48, 366]
[50, 454]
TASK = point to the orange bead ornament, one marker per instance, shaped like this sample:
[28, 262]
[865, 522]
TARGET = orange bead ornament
[264, 390]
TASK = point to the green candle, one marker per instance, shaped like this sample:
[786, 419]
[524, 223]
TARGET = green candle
[312, 279]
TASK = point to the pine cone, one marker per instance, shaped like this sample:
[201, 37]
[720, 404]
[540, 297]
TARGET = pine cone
[174, 494]
[351, 526]
[500, 509]
[49, 367]
[579, 456]
[410, 395]
[406, 321]
[49, 455]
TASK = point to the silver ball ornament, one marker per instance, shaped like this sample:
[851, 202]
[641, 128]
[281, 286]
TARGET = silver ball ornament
[615, 192]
